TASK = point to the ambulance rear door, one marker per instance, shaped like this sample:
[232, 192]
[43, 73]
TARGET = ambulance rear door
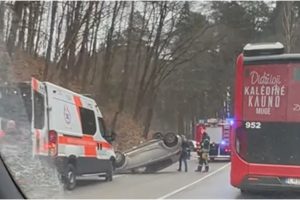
[39, 123]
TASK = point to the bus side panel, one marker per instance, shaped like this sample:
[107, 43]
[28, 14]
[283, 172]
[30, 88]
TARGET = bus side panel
[265, 93]
[293, 109]
[274, 170]
[239, 168]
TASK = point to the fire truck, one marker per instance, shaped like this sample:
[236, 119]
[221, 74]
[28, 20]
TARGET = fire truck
[219, 133]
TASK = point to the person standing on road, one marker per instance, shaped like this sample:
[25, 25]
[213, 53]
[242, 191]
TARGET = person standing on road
[203, 151]
[184, 154]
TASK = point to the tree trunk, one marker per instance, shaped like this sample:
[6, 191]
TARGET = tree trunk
[107, 63]
[2, 13]
[33, 14]
[149, 113]
[18, 6]
[37, 43]
[22, 31]
[49, 48]
[84, 59]
[125, 78]
[57, 47]
[95, 54]
[152, 55]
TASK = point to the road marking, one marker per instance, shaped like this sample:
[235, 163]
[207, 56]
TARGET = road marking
[193, 183]
[91, 178]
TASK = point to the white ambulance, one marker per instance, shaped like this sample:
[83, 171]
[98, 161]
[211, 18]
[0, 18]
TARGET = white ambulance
[69, 127]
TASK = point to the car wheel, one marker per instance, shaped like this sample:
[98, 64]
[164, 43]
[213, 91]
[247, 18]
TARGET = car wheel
[170, 139]
[109, 173]
[120, 159]
[70, 177]
[157, 135]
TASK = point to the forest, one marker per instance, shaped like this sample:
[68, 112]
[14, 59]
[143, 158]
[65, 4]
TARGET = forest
[162, 64]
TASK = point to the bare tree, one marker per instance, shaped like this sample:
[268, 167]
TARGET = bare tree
[126, 68]
[22, 30]
[49, 48]
[16, 17]
[2, 12]
[40, 15]
[34, 7]
[289, 24]
[107, 60]
[94, 54]
[58, 35]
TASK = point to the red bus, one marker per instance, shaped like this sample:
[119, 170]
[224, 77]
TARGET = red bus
[265, 141]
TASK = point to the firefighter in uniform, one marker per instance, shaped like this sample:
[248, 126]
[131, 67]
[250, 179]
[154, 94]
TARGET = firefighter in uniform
[203, 152]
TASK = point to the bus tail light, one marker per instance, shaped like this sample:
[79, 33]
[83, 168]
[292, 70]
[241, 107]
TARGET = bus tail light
[52, 143]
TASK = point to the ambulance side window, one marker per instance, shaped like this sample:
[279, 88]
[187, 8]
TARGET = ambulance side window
[39, 111]
[88, 121]
[101, 126]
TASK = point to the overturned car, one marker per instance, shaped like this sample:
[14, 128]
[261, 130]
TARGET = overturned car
[151, 156]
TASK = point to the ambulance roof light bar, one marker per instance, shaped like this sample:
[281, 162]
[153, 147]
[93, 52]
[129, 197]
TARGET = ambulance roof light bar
[263, 49]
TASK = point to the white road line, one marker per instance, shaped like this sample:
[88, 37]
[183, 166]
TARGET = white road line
[193, 183]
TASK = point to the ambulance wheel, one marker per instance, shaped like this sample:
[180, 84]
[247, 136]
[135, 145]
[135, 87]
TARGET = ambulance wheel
[70, 177]
[120, 159]
[170, 139]
[109, 173]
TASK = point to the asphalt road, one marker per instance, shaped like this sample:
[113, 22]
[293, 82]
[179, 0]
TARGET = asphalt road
[169, 184]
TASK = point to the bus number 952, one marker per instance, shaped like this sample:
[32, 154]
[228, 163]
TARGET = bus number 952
[253, 125]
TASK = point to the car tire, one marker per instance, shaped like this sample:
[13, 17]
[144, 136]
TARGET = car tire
[109, 173]
[157, 136]
[170, 139]
[120, 159]
[69, 177]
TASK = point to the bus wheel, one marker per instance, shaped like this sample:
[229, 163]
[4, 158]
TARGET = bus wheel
[70, 177]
